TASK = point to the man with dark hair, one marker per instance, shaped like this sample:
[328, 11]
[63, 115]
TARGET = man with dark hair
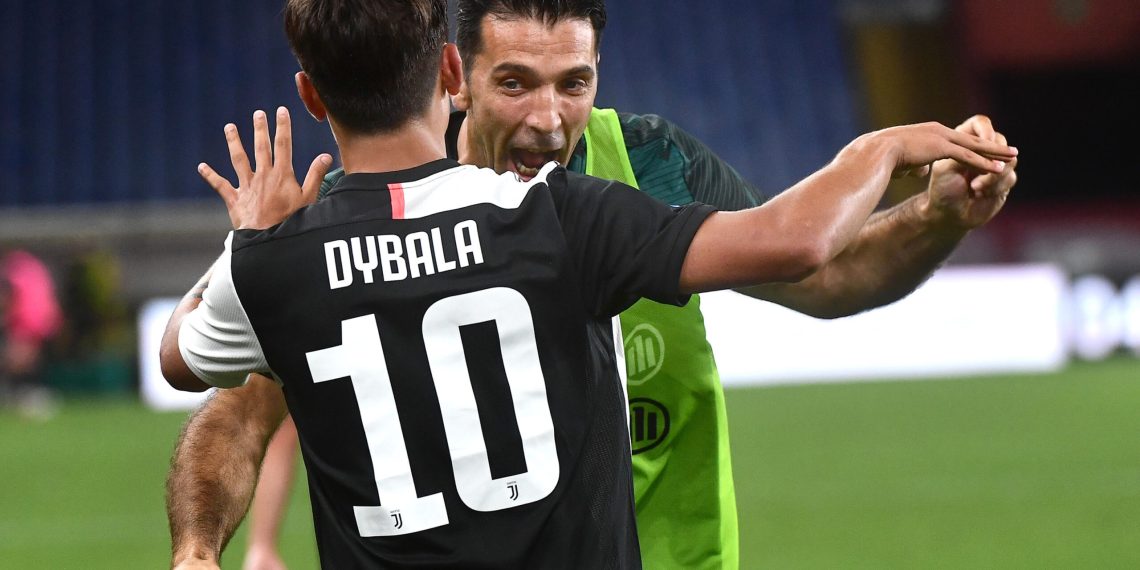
[521, 158]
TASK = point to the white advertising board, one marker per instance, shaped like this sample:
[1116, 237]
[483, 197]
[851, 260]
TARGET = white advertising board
[965, 320]
[154, 390]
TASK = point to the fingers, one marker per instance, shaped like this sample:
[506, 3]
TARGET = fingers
[217, 182]
[262, 155]
[971, 159]
[991, 183]
[988, 148]
[916, 172]
[317, 171]
[238, 157]
[980, 126]
[283, 140]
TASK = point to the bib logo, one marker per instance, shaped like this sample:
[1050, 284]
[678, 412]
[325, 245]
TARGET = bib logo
[644, 354]
[648, 424]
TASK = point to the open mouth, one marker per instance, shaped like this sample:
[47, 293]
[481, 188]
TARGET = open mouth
[527, 162]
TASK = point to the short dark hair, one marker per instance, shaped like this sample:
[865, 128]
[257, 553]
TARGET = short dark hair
[373, 62]
[471, 13]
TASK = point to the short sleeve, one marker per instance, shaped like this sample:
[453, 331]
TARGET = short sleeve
[669, 161]
[330, 180]
[625, 244]
[216, 339]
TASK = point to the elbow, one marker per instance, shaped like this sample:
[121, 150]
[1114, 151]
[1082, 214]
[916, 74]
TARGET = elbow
[183, 380]
[805, 259]
[177, 374]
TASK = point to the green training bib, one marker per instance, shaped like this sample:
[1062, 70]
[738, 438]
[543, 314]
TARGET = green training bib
[682, 471]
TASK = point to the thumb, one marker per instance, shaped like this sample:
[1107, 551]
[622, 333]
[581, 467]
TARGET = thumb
[317, 172]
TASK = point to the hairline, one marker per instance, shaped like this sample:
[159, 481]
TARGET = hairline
[506, 16]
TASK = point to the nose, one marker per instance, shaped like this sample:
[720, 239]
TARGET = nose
[544, 115]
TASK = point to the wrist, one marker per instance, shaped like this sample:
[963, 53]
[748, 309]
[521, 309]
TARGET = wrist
[193, 555]
[875, 154]
[936, 217]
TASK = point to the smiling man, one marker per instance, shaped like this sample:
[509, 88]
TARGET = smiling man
[531, 80]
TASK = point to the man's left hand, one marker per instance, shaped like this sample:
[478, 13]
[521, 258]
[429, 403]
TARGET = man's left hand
[965, 198]
[265, 196]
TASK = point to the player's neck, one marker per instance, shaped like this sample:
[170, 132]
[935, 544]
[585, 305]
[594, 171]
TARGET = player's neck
[413, 144]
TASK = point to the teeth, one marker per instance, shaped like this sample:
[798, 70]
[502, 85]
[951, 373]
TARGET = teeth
[526, 170]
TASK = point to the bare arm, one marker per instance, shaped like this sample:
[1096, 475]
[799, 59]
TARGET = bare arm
[802, 230]
[174, 368]
[898, 249]
[214, 469]
[263, 198]
[271, 499]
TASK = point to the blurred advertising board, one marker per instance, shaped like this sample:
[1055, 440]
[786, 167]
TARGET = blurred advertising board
[963, 321]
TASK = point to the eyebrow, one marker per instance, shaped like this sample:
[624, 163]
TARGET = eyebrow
[508, 67]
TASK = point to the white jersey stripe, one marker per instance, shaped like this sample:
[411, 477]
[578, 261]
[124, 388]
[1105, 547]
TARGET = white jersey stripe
[482, 186]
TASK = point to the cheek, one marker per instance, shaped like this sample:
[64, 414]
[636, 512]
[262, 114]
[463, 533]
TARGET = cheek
[578, 115]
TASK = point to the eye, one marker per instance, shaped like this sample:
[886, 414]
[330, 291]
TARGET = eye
[511, 84]
[576, 85]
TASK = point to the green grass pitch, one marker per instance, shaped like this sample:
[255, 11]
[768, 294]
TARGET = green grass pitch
[996, 472]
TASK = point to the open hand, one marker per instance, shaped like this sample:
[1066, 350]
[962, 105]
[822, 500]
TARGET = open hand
[268, 195]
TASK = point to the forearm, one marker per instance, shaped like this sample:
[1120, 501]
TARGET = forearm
[831, 206]
[214, 469]
[797, 233]
[895, 252]
[273, 486]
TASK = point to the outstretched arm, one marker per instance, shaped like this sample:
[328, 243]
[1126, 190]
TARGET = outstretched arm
[898, 249]
[805, 228]
[263, 198]
[214, 469]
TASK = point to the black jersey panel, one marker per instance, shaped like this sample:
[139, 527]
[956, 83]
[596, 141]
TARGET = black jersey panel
[345, 262]
[625, 244]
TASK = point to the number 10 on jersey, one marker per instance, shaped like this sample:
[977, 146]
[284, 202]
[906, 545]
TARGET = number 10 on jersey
[360, 356]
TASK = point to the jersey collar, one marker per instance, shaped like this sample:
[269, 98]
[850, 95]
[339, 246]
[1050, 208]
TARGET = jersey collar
[382, 180]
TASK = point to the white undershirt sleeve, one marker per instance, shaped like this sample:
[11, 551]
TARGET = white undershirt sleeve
[216, 339]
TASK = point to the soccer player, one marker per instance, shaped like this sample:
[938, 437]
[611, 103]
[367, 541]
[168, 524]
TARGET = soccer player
[547, 96]
[456, 386]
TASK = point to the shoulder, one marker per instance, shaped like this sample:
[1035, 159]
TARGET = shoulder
[660, 156]
[640, 129]
[329, 181]
[675, 167]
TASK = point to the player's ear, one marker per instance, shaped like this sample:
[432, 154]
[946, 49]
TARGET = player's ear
[451, 69]
[462, 98]
[309, 96]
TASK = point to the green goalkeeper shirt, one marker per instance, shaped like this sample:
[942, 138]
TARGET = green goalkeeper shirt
[685, 499]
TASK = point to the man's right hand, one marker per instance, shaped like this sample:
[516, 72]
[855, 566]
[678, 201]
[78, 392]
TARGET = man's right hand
[916, 147]
[266, 196]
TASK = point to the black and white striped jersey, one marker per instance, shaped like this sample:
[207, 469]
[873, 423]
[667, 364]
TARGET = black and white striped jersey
[443, 336]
